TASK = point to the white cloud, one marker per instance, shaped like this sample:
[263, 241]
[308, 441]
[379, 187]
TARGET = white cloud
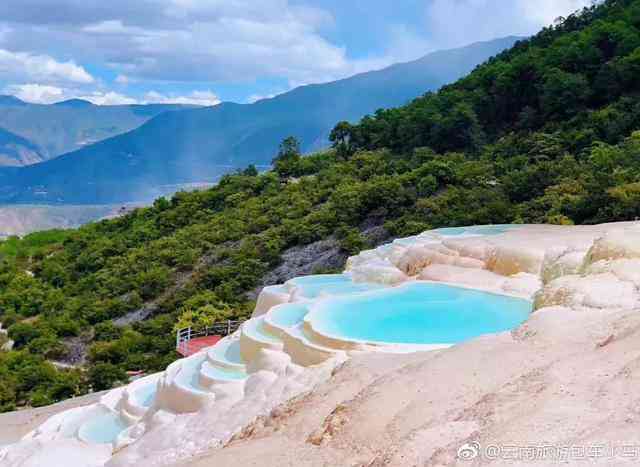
[186, 40]
[454, 23]
[46, 94]
[155, 43]
[253, 98]
[204, 98]
[544, 12]
[115, 27]
[41, 67]
[106, 98]
[37, 93]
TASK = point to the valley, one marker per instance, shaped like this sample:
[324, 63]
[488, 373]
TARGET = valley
[24, 219]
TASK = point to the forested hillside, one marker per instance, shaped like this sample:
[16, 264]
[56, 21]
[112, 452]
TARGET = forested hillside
[546, 132]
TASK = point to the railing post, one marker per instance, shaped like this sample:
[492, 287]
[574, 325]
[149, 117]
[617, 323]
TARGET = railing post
[228, 327]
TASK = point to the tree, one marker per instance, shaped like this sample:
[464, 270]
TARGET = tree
[22, 333]
[202, 310]
[563, 94]
[105, 376]
[107, 331]
[287, 162]
[250, 171]
[341, 138]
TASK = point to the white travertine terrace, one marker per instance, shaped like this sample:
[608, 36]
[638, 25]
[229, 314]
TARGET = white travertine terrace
[202, 401]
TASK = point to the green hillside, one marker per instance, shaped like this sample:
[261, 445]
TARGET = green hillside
[546, 132]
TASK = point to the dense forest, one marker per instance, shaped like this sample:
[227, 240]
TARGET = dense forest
[545, 132]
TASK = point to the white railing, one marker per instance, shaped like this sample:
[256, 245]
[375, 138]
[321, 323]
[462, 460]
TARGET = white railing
[185, 335]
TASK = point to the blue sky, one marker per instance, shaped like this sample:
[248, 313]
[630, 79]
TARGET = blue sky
[207, 51]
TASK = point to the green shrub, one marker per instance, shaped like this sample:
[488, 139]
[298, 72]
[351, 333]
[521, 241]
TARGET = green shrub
[106, 376]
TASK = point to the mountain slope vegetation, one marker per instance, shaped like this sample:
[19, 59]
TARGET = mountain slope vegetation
[535, 135]
[202, 144]
[55, 129]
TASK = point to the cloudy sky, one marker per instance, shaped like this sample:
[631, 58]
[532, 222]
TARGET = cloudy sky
[204, 51]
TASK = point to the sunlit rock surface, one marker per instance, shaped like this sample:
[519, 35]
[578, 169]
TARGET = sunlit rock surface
[278, 394]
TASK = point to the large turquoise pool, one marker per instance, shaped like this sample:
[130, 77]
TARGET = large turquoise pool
[417, 313]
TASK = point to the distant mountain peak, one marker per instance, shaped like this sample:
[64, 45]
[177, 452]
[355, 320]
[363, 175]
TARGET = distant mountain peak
[74, 103]
[11, 100]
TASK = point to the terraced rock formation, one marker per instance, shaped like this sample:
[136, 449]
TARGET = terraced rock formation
[283, 392]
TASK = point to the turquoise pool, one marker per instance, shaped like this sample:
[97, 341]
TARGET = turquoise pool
[103, 429]
[189, 375]
[255, 329]
[330, 284]
[227, 351]
[418, 313]
[476, 230]
[288, 314]
[223, 374]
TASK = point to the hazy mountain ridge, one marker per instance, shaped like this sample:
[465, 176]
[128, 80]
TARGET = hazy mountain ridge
[17, 151]
[20, 220]
[55, 129]
[202, 144]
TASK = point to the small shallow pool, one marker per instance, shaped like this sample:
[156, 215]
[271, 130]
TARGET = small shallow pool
[102, 429]
[146, 394]
[287, 314]
[417, 313]
[227, 351]
[329, 284]
[476, 230]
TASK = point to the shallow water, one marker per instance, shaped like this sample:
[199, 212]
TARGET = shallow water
[222, 373]
[330, 284]
[189, 374]
[255, 328]
[227, 351]
[288, 315]
[102, 429]
[418, 313]
[146, 394]
[476, 230]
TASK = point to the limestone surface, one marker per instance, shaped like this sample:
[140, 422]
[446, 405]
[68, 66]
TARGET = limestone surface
[276, 393]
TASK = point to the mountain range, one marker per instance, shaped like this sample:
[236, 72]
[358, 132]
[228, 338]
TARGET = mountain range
[199, 145]
[32, 133]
